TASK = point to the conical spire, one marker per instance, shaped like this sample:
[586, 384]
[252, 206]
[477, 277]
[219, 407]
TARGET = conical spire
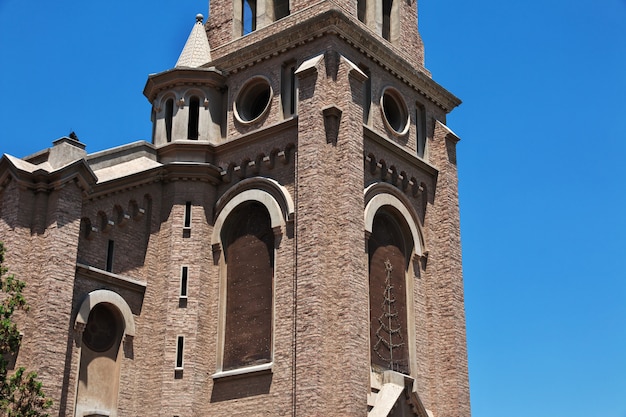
[197, 51]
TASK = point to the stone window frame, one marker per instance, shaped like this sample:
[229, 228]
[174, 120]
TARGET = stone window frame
[398, 99]
[114, 302]
[280, 207]
[381, 196]
[244, 97]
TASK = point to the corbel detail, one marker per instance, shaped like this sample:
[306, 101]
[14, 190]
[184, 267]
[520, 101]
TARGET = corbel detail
[332, 118]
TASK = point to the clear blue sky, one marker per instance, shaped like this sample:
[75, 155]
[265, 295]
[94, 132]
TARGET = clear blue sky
[542, 165]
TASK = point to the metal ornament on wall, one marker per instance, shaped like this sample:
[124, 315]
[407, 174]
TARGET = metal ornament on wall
[389, 333]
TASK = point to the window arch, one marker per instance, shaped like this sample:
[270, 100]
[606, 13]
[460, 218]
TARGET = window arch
[394, 244]
[248, 246]
[248, 229]
[104, 321]
[388, 261]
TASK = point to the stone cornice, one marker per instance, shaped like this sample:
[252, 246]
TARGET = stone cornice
[165, 80]
[174, 171]
[289, 33]
[101, 275]
[246, 139]
[41, 180]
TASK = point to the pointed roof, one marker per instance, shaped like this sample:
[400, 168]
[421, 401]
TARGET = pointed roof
[197, 51]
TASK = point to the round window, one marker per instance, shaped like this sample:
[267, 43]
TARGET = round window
[253, 100]
[395, 113]
[101, 330]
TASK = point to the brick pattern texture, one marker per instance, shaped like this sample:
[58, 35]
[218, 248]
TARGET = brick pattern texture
[320, 347]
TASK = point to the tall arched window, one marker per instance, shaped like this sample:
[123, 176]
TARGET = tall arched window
[169, 116]
[388, 263]
[248, 244]
[194, 116]
[103, 321]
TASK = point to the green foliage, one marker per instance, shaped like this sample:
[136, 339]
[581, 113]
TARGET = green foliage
[21, 395]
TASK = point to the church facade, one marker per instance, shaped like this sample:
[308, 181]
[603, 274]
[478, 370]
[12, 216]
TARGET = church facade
[288, 244]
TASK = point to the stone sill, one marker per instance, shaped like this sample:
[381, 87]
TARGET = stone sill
[263, 368]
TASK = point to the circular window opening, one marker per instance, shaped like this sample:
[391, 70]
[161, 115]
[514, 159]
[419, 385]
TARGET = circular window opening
[395, 113]
[253, 100]
[101, 330]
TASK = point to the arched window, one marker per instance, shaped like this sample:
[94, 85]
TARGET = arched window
[248, 244]
[103, 321]
[169, 116]
[194, 115]
[388, 262]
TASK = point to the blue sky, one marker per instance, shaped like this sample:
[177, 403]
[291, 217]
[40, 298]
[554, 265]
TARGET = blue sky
[542, 165]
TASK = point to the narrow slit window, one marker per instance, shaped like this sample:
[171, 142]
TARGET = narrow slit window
[180, 345]
[387, 4]
[367, 94]
[420, 124]
[194, 117]
[169, 116]
[110, 249]
[187, 215]
[361, 9]
[289, 89]
[249, 16]
[184, 274]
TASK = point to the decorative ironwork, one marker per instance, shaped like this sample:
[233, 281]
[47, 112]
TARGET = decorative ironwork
[389, 333]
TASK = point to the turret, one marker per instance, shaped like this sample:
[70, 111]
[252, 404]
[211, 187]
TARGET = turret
[187, 100]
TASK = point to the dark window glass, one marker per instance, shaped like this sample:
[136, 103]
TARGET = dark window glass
[194, 115]
[187, 214]
[110, 249]
[183, 281]
[169, 115]
[101, 331]
[387, 18]
[180, 344]
[281, 9]
[361, 9]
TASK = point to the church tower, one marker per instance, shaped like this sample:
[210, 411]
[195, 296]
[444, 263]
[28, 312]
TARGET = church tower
[288, 244]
